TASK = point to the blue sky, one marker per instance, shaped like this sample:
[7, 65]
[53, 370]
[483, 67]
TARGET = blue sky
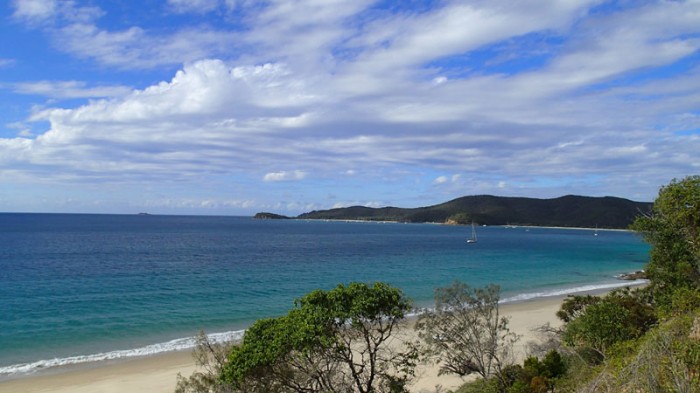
[239, 106]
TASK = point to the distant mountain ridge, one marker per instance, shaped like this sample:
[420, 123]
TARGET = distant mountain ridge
[565, 211]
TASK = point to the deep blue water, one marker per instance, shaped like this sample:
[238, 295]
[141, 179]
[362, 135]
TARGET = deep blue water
[76, 285]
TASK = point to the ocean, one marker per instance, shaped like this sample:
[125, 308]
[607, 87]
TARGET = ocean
[81, 288]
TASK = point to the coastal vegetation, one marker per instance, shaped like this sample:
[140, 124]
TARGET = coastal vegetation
[269, 216]
[641, 340]
[566, 211]
[465, 333]
[331, 341]
[348, 339]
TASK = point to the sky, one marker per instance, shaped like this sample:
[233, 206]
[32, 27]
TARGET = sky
[231, 107]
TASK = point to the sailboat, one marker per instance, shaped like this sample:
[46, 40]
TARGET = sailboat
[596, 230]
[473, 238]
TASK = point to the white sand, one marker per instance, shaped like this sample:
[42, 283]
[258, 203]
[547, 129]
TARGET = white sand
[157, 374]
[524, 317]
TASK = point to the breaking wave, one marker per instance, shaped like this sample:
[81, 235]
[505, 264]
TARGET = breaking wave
[153, 349]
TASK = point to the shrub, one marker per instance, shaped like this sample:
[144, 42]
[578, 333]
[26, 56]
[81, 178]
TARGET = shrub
[466, 331]
[598, 324]
[331, 341]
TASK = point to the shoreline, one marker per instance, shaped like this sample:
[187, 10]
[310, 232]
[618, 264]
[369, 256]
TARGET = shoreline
[507, 226]
[57, 366]
[157, 373]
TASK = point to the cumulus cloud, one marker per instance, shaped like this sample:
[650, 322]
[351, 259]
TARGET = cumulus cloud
[284, 176]
[327, 86]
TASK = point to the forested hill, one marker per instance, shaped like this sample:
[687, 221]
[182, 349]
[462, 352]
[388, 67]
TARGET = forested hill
[566, 211]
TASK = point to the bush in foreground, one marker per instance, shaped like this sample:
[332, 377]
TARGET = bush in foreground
[601, 322]
[534, 376]
[466, 332]
[331, 341]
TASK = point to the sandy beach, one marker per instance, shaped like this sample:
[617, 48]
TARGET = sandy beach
[157, 374]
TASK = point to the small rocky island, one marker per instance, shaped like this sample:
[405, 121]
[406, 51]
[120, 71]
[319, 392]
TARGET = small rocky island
[270, 216]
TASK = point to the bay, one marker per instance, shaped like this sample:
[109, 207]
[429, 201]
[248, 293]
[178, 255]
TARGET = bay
[77, 288]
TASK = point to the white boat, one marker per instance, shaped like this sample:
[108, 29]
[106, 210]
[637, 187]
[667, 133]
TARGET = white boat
[473, 238]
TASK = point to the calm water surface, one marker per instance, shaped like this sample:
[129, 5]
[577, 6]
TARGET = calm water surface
[75, 288]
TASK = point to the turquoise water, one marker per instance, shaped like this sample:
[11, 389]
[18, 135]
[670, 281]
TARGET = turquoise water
[78, 288]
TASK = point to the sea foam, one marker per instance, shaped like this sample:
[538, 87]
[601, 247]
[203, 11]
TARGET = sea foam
[153, 349]
[591, 288]
[569, 291]
[189, 342]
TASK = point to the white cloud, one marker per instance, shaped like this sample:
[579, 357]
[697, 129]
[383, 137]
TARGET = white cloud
[284, 176]
[38, 12]
[199, 6]
[34, 10]
[202, 88]
[451, 180]
[74, 30]
[69, 89]
[327, 86]
[414, 40]
[375, 204]
[136, 48]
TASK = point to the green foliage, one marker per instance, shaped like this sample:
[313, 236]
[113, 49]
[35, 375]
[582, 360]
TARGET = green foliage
[460, 218]
[570, 210]
[573, 306]
[642, 315]
[679, 301]
[210, 358]
[553, 365]
[332, 341]
[601, 326]
[663, 360]
[618, 344]
[272, 357]
[534, 376]
[673, 231]
[466, 331]
[619, 316]
[490, 385]
[539, 375]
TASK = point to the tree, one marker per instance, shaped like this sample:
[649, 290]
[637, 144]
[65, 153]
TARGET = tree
[673, 231]
[460, 218]
[602, 325]
[574, 305]
[210, 358]
[466, 331]
[600, 322]
[331, 341]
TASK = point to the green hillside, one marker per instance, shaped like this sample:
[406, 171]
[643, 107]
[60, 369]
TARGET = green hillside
[566, 211]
